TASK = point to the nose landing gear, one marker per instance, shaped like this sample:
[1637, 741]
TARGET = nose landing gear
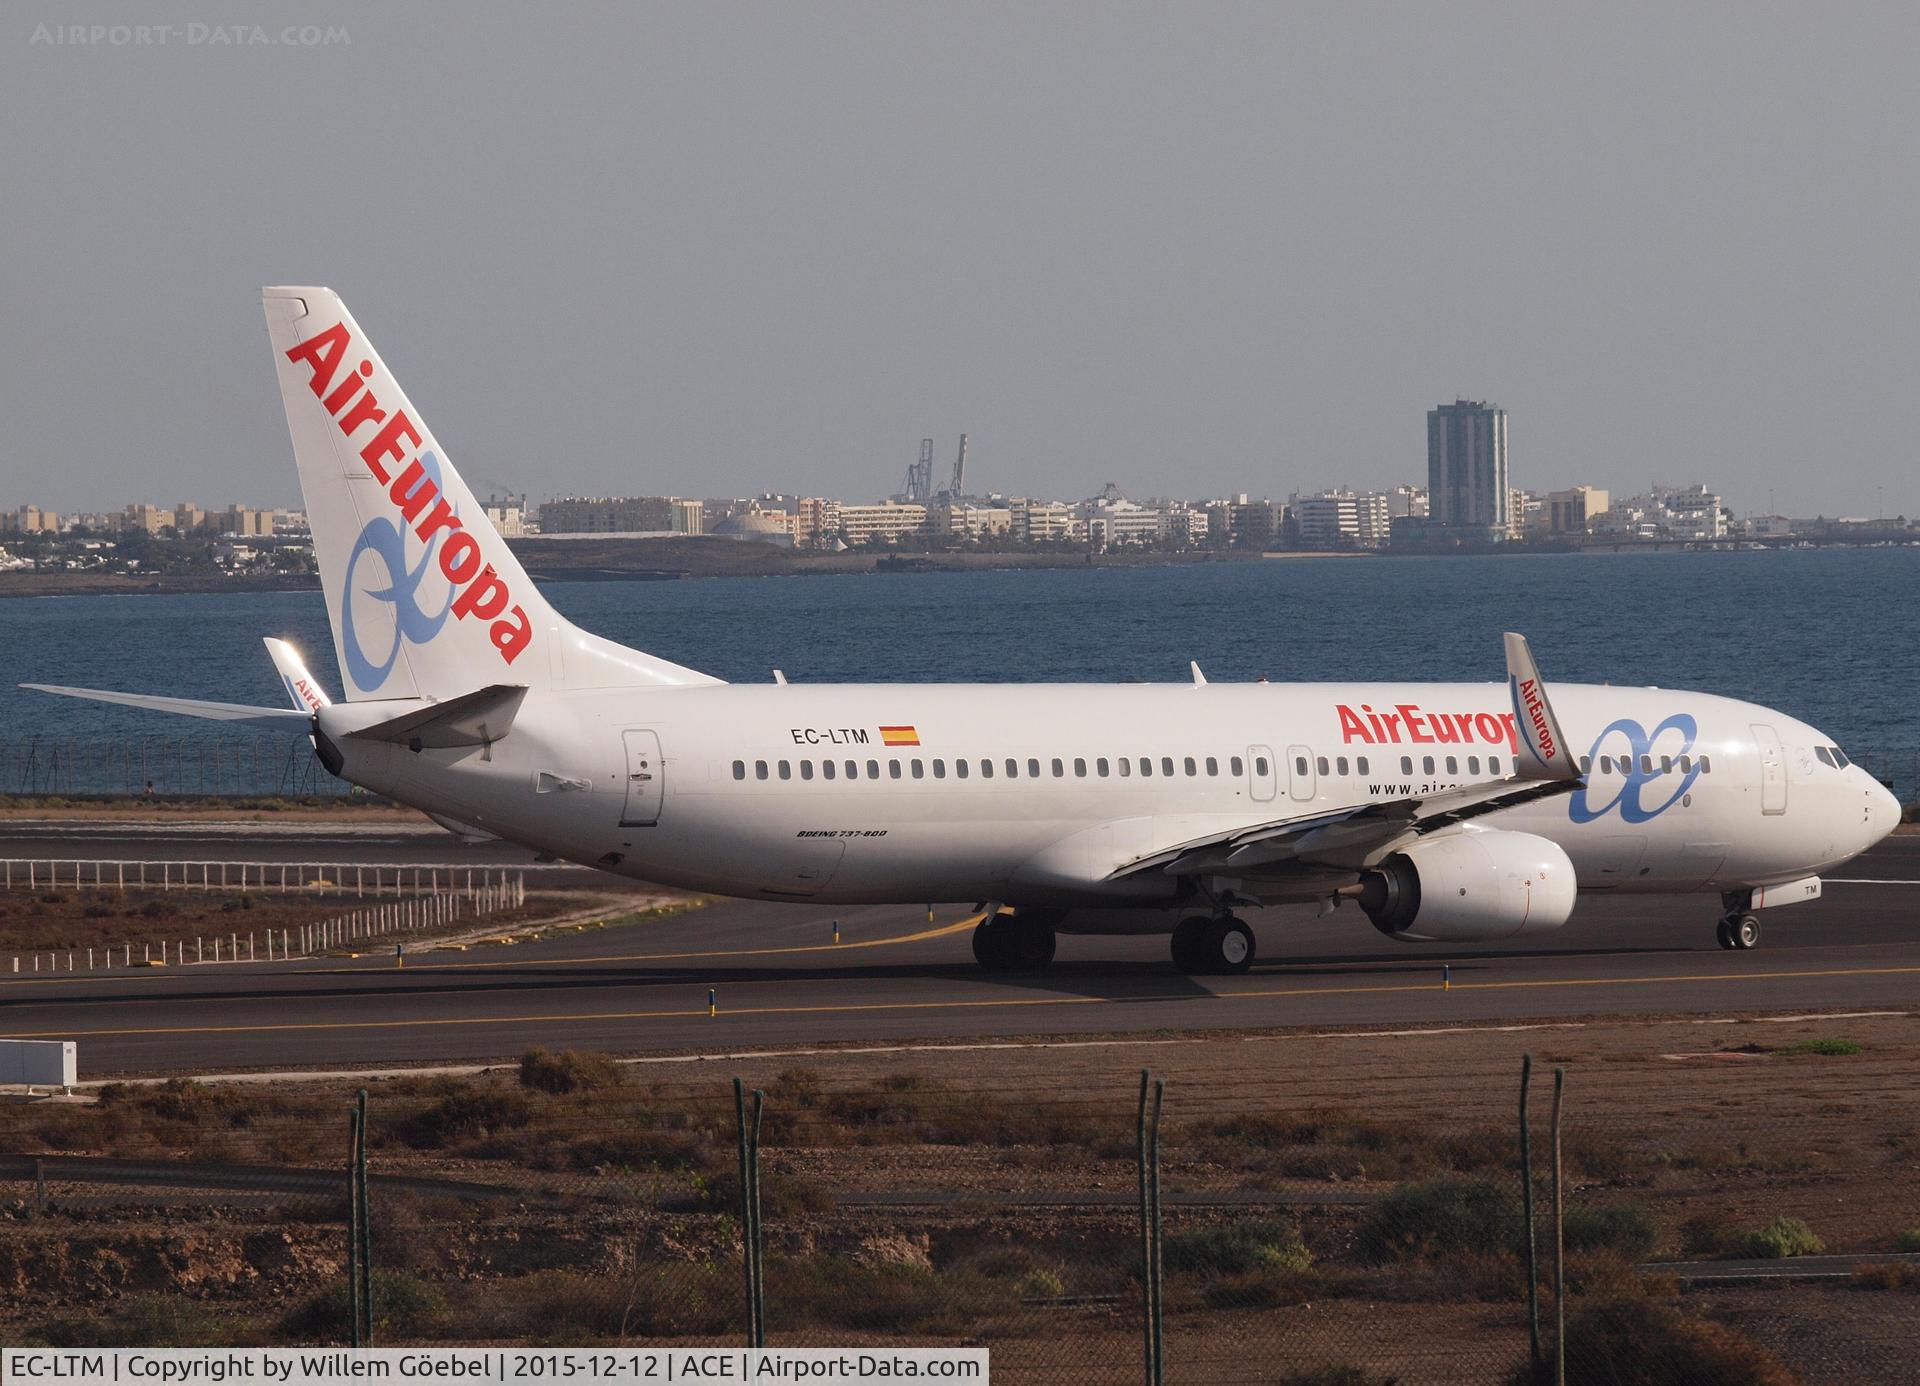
[1205, 945]
[1739, 930]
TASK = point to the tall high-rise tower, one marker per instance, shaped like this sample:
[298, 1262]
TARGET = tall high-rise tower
[1467, 470]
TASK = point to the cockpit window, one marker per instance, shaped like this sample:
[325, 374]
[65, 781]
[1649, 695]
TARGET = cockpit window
[1826, 756]
[1840, 758]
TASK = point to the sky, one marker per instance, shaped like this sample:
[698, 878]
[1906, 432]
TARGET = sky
[713, 249]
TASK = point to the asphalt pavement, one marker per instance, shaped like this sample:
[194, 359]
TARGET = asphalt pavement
[779, 980]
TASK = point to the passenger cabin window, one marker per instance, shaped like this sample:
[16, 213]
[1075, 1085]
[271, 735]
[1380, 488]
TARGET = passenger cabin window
[1646, 765]
[1453, 765]
[1146, 765]
[1259, 765]
[1606, 765]
[1033, 768]
[1166, 765]
[1493, 764]
[986, 769]
[786, 769]
[919, 769]
[1079, 767]
[1361, 762]
[739, 769]
[1013, 768]
[1059, 767]
[959, 768]
[1706, 766]
[893, 769]
[1322, 765]
[1100, 767]
[1686, 765]
[1123, 765]
[1237, 766]
[1340, 764]
[1300, 766]
[1666, 764]
[1586, 764]
[939, 768]
[1473, 765]
[759, 769]
[853, 769]
[1213, 765]
[1426, 765]
[826, 769]
[806, 769]
[1191, 768]
[1406, 765]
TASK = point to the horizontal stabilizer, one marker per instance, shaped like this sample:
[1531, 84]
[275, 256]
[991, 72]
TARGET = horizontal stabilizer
[479, 718]
[240, 714]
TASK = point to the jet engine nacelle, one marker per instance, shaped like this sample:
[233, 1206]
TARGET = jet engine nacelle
[1470, 886]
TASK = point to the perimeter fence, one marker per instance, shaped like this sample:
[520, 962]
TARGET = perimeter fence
[285, 767]
[1274, 1225]
[239, 766]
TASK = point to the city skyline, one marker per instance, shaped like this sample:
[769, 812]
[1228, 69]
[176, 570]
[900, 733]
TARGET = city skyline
[1141, 245]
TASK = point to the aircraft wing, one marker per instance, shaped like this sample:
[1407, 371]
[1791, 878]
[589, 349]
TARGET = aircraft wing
[239, 714]
[1343, 837]
[1348, 837]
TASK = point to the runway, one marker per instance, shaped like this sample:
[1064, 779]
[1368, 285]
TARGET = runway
[779, 980]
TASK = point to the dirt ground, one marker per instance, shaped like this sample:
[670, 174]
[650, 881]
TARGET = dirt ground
[987, 1193]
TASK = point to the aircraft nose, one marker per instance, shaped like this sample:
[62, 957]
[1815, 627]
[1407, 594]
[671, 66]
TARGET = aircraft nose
[1883, 810]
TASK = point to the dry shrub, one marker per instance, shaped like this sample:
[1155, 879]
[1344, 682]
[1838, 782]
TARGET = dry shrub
[1447, 1216]
[677, 1300]
[1236, 1249]
[831, 1292]
[1782, 1237]
[1633, 1341]
[571, 1070]
[1893, 1275]
[464, 1114]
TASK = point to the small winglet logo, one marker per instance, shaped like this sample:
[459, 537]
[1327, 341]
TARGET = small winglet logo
[1530, 712]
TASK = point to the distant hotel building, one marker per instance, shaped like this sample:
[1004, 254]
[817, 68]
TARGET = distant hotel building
[622, 515]
[1467, 471]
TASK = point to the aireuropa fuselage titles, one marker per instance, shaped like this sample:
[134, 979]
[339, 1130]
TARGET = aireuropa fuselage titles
[749, 795]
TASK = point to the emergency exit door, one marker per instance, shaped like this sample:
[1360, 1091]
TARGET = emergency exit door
[646, 779]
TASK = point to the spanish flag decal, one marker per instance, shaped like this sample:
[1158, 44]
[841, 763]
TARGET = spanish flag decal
[899, 736]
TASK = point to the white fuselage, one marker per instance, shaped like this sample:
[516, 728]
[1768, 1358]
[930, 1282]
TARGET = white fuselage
[1037, 794]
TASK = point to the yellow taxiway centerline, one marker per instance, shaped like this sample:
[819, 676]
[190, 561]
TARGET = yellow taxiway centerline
[979, 1004]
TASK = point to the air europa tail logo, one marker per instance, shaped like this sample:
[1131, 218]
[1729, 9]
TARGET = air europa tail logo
[479, 593]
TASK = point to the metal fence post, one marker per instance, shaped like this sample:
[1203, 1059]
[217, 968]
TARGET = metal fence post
[749, 1208]
[1148, 1144]
[1526, 1203]
[1559, 1243]
[354, 1269]
[366, 1230]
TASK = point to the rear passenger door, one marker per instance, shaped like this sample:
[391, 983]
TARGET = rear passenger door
[1300, 778]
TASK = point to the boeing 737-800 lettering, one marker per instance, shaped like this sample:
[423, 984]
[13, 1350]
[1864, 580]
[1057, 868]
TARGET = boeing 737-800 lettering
[1443, 812]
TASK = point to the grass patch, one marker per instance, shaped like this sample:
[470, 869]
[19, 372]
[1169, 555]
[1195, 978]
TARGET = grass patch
[1237, 1249]
[1781, 1238]
[1825, 1044]
[143, 1321]
[1624, 1228]
[1439, 1217]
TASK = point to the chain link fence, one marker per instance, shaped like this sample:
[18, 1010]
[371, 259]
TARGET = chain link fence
[1750, 1219]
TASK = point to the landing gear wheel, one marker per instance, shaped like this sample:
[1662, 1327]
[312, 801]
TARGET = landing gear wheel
[1028, 941]
[1745, 931]
[990, 944]
[1013, 943]
[1226, 948]
[1724, 932]
[1189, 943]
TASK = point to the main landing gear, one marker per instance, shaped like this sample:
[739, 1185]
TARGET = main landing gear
[1019, 942]
[1739, 931]
[1216, 945]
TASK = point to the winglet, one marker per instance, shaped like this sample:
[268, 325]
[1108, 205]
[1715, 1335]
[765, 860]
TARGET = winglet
[1546, 754]
[1199, 679]
[302, 687]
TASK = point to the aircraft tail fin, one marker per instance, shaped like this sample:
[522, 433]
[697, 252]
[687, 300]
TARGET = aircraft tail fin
[1546, 753]
[425, 598]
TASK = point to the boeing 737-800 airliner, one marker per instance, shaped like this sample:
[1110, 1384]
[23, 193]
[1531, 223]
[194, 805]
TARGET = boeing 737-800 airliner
[1443, 812]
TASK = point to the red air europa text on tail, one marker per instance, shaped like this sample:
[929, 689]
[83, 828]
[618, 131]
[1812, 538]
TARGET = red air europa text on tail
[483, 593]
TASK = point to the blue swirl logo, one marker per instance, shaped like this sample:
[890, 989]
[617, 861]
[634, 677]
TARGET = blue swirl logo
[411, 622]
[1642, 761]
